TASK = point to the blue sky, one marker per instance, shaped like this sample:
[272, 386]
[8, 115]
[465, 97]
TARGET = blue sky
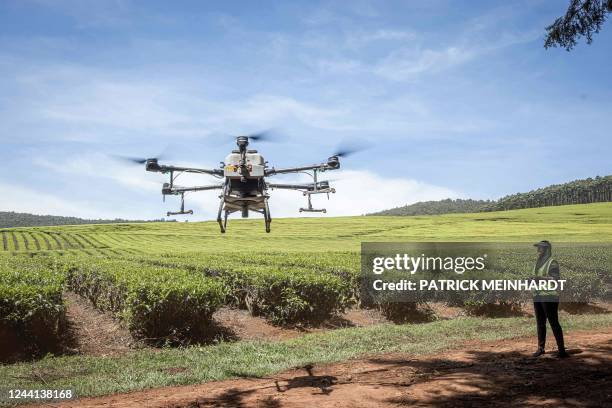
[456, 99]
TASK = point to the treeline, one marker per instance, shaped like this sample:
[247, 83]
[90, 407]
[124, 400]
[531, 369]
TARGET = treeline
[591, 190]
[447, 206]
[585, 191]
[10, 219]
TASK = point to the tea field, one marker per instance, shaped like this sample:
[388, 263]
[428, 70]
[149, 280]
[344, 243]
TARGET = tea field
[164, 281]
[572, 223]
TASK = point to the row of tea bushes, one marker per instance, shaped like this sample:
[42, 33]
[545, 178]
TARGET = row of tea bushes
[284, 294]
[157, 303]
[32, 310]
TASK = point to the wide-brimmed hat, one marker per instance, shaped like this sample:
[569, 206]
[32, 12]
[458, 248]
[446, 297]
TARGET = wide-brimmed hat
[543, 243]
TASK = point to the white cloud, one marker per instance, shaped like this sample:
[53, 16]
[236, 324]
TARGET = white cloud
[356, 39]
[86, 15]
[406, 64]
[22, 199]
[359, 192]
[135, 178]
[94, 166]
[273, 108]
[98, 105]
[340, 66]
[121, 105]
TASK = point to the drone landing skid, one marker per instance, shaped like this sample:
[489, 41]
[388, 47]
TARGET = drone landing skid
[182, 210]
[321, 210]
[316, 190]
[188, 212]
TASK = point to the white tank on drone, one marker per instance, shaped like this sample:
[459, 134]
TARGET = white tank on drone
[254, 161]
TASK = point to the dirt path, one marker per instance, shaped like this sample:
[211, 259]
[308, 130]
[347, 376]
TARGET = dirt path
[242, 326]
[92, 332]
[477, 374]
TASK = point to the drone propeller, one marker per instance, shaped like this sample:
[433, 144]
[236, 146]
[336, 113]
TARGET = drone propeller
[137, 160]
[345, 152]
[347, 148]
[163, 155]
[264, 136]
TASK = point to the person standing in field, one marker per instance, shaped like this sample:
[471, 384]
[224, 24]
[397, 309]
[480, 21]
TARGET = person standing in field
[546, 303]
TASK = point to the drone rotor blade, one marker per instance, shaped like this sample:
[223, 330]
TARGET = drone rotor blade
[349, 148]
[263, 136]
[130, 160]
[141, 160]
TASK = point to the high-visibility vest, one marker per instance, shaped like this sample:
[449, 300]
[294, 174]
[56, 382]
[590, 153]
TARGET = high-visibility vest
[543, 271]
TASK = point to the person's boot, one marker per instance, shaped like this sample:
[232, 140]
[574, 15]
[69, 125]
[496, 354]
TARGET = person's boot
[561, 353]
[538, 352]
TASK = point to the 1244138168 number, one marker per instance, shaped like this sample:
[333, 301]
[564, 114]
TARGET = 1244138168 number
[40, 394]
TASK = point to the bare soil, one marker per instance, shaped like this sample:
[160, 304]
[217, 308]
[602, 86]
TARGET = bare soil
[87, 331]
[243, 326]
[474, 374]
[93, 332]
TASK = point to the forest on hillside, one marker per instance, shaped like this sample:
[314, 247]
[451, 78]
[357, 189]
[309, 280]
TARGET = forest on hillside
[591, 190]
[10, 219]
[448, 206]
[585, 191]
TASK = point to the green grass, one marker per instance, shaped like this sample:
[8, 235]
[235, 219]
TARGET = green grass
[571, 223]
[90, 376]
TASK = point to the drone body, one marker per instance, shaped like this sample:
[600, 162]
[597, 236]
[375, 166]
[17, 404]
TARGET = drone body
[244, 187]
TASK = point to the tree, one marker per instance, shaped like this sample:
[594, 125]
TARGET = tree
[583, 18]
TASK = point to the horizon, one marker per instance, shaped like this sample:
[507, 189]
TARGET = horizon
[166, 219]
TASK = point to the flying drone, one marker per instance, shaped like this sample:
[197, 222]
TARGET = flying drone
[244, 186]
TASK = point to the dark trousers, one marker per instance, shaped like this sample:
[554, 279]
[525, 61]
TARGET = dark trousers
[548, 311]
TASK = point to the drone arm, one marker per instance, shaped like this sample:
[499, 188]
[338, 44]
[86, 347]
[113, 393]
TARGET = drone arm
[273, 171]
[301, 187]
[213, 172]
[332, 164]
[152, 165]
[167, 190]
[288, 186]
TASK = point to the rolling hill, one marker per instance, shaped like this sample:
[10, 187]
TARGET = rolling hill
[587, 222]
[9, 219]
[590, 190]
